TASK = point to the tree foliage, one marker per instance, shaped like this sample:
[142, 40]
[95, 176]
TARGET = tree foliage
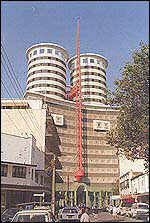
[131, 134]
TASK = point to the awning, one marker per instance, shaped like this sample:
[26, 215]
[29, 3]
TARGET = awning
[126, 196]
[143, 194]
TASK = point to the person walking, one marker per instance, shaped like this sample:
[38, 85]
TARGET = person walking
[85, 217]
[114, 212]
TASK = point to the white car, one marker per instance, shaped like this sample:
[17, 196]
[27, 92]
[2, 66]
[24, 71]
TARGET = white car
[139, 209]
[69, 213]
[33, 216]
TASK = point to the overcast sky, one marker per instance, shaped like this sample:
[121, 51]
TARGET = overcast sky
[112, 29]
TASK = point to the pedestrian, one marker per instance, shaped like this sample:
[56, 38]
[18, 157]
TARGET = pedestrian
[114, 212]
[85, 217]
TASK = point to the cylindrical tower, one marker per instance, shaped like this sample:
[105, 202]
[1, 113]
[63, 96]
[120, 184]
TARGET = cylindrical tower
[47, 70]
[93, 76]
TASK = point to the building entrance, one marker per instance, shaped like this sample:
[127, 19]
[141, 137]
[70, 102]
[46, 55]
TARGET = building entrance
[81, 196]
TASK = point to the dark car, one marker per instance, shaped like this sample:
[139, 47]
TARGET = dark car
[8, 214]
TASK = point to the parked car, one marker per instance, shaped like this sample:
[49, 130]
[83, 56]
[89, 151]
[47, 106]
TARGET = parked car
[139, 209]
[145, 217]
[8, 214]
[69, 214]
[35, 215]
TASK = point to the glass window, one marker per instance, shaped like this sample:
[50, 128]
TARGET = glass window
[19, 171]
[91, 60]
[49, 50]
[73, 65]
[62, 55]
[85, 60]
[41, 50]
[42, 180]
[32, 174]
[36, 177]
[4, 170]
[56, 52]
[30, 55]
[35, 52]
[98, 61]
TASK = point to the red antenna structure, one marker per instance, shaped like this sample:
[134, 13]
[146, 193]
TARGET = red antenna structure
[75, 92]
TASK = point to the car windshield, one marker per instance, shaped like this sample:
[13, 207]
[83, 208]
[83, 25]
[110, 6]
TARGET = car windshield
[31, 218]
[70, 211]
[141, 206]
[9, 211]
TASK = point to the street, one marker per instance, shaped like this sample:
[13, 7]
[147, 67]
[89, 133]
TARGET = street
[107, 217]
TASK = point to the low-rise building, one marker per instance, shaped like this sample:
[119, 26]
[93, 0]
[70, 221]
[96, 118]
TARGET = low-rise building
[140, 187]
[22, 170]
[126, 187]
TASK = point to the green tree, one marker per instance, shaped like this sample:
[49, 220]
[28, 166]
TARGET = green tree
[131, 134]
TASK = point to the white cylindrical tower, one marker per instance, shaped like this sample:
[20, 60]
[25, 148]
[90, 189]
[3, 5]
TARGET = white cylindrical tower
[93, 76]
[47, 70]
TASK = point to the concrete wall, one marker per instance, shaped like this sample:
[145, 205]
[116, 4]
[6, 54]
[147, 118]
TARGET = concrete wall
[23, 122]
[15, 149]
[140, 184]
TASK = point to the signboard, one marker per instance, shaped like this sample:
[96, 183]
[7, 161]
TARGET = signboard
[101, 125]
[58, 119]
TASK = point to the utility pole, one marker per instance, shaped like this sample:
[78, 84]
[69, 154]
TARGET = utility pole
[53, 183]
[68, 191]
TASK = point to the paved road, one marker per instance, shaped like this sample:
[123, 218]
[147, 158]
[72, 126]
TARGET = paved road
[107, 217]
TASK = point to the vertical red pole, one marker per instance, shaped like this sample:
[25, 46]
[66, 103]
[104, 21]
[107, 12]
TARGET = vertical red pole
[79, 169]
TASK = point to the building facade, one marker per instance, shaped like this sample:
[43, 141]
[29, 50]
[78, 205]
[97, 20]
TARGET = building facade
[22, 170]
[99, 160]
[93, 76]
[47, 70]
[53, 122]
[140, 187]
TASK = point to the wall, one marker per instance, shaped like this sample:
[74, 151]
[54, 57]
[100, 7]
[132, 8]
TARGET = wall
[23, 122]
[101, 163]
[15, 149]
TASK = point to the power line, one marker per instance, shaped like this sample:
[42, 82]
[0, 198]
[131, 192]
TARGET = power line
[39, 130]
[18, 109]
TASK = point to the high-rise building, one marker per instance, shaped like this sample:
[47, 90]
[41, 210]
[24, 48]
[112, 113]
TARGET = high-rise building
[46, 81]
[47, 70]
[93, 76]
[99, 160]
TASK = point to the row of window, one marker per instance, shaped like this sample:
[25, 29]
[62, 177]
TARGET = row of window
[92, 99]
[47, 78]
[47, 64]
[88, 67]
[51, 51]
[20, 172]
[93, 80]
[45, 57]
[89, 73]
[47, 71]
[94, 86]
[93, 93]
[88, 60]
[52, 93]
[47, 85]
[42, 64]
[124, 185]
[15, 107]
[17, 171]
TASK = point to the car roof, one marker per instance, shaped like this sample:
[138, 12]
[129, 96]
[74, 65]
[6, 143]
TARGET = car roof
[70, 208]
[32, 211]
[142, 203]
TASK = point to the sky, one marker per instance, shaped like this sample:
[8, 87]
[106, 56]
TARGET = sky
[112, 29]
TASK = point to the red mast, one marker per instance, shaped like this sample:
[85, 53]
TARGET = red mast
[76, 92]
